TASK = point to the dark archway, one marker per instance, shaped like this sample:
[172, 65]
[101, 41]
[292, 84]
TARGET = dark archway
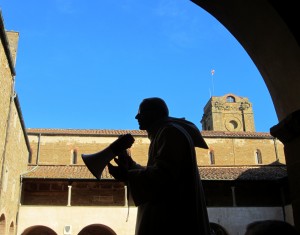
[95, 229]
[267, 30]
[39, 230]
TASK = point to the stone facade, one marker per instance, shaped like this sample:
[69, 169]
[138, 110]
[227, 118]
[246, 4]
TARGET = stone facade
[59, 148]
[240, 149]
[14, 145]
[229, 148]
[228, 113]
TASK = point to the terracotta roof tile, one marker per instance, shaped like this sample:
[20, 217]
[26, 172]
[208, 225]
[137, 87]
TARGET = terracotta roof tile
[84, 132]
[61, 172]
[231, 134]
[111, 132]
[266, 172]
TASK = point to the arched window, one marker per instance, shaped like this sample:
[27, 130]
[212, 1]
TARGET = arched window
[230, 99]
[212, 157]
[258, 157]
[74, 156]
[30, 156]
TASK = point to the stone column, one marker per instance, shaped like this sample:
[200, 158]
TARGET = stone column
[288, 132]
[69, 194]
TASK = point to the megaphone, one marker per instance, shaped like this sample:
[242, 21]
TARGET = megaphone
[96, 162]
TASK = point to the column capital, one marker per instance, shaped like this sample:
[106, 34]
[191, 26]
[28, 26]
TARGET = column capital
[288, 129]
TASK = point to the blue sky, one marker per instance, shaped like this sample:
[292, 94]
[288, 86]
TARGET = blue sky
[87, 64]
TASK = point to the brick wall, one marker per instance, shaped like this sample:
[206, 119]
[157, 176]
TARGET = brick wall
[57, 149]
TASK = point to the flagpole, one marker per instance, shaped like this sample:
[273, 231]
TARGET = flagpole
[212, 81]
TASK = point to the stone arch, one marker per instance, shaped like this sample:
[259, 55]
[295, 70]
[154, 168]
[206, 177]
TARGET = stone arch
[267, 30]
[270, 41]
[38, 230]
[95, 229]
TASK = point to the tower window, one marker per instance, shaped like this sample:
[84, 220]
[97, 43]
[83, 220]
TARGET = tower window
[258, 156]
[212, 157]
[230, 99]
[234, 124]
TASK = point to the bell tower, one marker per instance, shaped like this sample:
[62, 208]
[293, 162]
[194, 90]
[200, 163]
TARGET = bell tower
[228, 113]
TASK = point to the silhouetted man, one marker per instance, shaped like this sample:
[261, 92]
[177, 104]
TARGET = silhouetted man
[168, 191]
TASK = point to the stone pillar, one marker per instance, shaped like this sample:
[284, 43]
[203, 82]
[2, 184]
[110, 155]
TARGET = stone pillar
[233, 196]
[288, 132]
[69, 194]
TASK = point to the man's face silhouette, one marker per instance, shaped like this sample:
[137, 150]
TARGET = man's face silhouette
[145, 117]
[150, 111]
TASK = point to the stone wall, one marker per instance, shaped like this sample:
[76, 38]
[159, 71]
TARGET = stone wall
[14, 164]
[14, 145]
[58, 149]
[6, 81]
[241, 151]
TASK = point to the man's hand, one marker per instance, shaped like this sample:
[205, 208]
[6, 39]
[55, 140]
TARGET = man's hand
[124, 160]
[122, 143]
[118, 172]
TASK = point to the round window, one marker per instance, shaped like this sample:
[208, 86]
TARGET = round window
[232, 124]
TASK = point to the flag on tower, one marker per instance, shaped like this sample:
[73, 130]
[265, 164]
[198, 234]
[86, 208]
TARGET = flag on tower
[212, 72]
